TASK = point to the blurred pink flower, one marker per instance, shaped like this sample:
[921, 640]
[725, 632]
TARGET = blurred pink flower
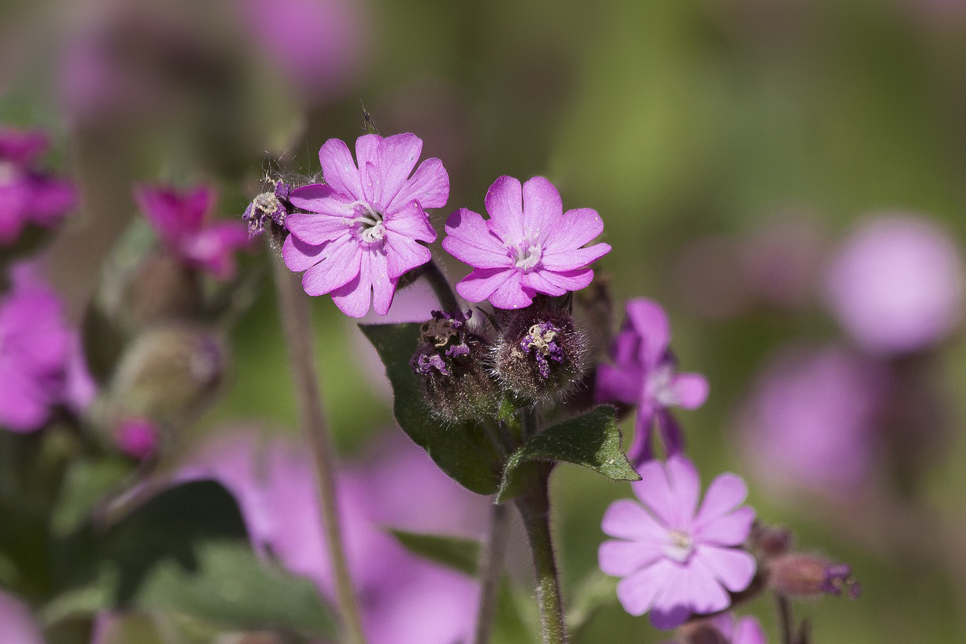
[365, 223]
[28, 196]
[676, 559]
[896, 285]
[34, 344]
[809, 422]
[645, 374]
[528, 246]
[745, 630]
[17, 625]
[179, 219]
[317, 45]
[137, 437]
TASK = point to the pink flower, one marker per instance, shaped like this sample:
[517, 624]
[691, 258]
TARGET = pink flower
[645, 374]
[137, 437]
[675, 562]
[34, 345]
[528, 246]
[28, 196]
[179, 219]
[746, 630]
[17, 625]
[365, 223]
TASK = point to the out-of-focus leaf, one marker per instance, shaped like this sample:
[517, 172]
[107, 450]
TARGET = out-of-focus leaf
[592, 441]
[596, 591]
[511, 624]
[463, 450]
[231, 586]
[85, 484]
[453, 552]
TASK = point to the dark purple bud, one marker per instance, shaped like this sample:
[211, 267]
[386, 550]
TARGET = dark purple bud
[804, 575]
[770, 541]
[267, 208]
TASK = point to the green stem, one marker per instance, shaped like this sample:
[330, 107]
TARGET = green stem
[490, 573]
[785, 618]
[440, 285]
[297, 325]
[535, 512]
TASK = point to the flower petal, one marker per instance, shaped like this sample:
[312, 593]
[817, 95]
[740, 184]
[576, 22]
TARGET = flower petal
[383, 283]
[638, 591]
[321, 198]
[542, 207]
[671, 434]
[627, 519]
[354, 299]
[412, 221]
[512, 294]
[339, 170]
[468, 239]
[732, 567]
[504, 204]
[298, 255]
[690, 389]
[24, 401]
[396, 157]
[651, 323]
[685, 483]
[213, 248]
[51, 200]
[573, 259]
[317, 229]
[640, 451]
[429, 186]
[654, 491]
[730, 530]
[564, 281]
[725, 493]
[367, 149]
[339, 263]
[748, 631]
[480, 284]
[403, 254]
[623, 558]
[577, 228]
[538, 281]
[618, 385]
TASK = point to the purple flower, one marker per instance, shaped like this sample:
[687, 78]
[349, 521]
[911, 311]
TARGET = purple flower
[811, 418]
[137, 437]
[179, 219]
[34, 345]
[675, 561]
[897, 284]
[645, 374]
[528, 246]
[17, 625]
[365, 223]
[746, 630]
[28, 196]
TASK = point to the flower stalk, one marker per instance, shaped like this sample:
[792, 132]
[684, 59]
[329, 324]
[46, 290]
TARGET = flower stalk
[491, 571]
[296, 322]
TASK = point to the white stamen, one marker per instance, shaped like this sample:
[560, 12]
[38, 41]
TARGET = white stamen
[526, 256]
[680, 547]
[660, 386]
[374, 233]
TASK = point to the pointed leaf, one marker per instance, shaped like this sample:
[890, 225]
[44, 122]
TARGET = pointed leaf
[463, 451]
[453, 552]
[592, 441]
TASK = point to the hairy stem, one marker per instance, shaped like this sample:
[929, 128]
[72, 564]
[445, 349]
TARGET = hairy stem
[491, 570]
[535, 511]
[785, 618]
[441, 286]
[297, 325]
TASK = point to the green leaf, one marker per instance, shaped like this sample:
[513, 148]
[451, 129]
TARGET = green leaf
[592, 441]
[86, 483]
[463, 451]
[453, 552]
[232, 587]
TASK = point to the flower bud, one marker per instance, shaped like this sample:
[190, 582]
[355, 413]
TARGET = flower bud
[162, 288]
[451, 362]
[804, 575]
[138, 438]
[540, 353]
[268, 208]
[770, 541]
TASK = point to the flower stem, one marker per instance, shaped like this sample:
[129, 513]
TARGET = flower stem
[535, 511]
[297, 325]
[490, 573]
[785, 618]
[440, 285]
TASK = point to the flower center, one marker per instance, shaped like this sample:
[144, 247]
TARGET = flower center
[660, 386]
[680, 546]
[526, 256]
[373, 230]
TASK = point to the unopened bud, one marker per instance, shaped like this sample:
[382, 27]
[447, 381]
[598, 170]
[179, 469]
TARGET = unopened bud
[770, 541]
[138, 438]
[702, 632]
[803, 575]
[161, 289]
[451, 362]
[540, 353]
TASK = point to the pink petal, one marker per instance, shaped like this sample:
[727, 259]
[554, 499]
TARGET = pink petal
[213, 248]
[537, 280]
[396, 157]
[693, 590]
[321, 198]
[354, 299]
[725, 493]
[671, 434]
[627, 519]
[685, 484]
[640, 450]
[371, 180]
[730, 530]
[163, 210]
[618, 385]
[623, 558]
[651, 323]
[470, 240]
[732, 567]
[690, 389]
[578, 227]
[51, 200]
[512, 294]
[504, 204]
[298, 255]
[567, 280]
[367, 149]
[748, 631]
[339, 263]
[412, 221]
[339, 170]
[480, 284]
[403, 254]
[573, 259]
[638, 591]
[24, 401]
[542, 207]
[317, 229]
[655, 492]
[22, 147]
[383, 287]
[429, 186]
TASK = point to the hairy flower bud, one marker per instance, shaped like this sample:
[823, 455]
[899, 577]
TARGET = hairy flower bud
[451, 362]
[540, 353]
[804, 575]
[269, 207]
[770, 541]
